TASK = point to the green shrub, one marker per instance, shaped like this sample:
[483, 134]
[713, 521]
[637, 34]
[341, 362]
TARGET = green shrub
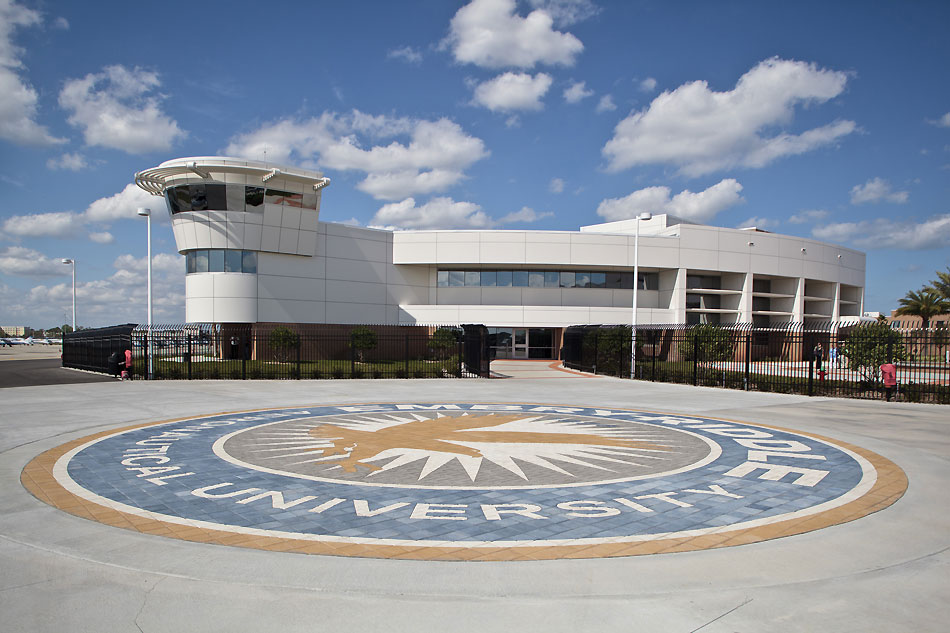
[316, 374]
[377, 374]
[337, 373]
[282, 340]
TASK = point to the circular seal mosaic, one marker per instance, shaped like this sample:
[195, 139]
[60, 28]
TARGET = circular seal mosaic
[464, 481]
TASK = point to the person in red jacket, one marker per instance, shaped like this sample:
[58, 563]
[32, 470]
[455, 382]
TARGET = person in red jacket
[889, 377]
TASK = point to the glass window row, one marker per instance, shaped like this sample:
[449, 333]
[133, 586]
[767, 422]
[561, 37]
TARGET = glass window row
[544, 279]
[220, 260]
[221, 197]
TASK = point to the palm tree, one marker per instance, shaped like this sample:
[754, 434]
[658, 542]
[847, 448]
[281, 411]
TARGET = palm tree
[923, 303]
[941, 285]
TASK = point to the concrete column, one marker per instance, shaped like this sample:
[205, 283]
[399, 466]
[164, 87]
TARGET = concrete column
[745, 301]
[678, 300]
[836, 308]
[798, 309]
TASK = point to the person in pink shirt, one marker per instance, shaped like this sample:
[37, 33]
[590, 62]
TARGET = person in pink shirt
[127, 372]
[889, 377]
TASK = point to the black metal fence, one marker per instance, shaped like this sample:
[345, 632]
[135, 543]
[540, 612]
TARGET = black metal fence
[283, 352]
[841, 362]
[91, 349]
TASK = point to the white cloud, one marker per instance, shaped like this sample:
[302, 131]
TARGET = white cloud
[406, 53]
[489, 34]
[699, 207]
[648, 85]
[438, 213]
[758, 222]
[61, 23]
[446, 213]
[943, 121]
[70, 161]
[119, 298]
[513, 91]
[68, 224]
[434, 159]
[58, 224]
[26, 262]
[18, 99]
[524, 215]
[103, 237]
[122, 206]
[117, 108]
[702, 131]
[577, 91]
[556, 185]
[810, 215]
[606, 104]
[567, 12]
[161, 263]
[884, 233]
[877, 190]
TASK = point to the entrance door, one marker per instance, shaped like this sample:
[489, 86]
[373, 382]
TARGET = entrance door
[520, 343]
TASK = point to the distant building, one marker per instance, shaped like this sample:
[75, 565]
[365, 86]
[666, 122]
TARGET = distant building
[15, 330]
[256, 252]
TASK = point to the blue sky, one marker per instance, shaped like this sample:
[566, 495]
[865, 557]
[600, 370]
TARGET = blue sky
[820, 119]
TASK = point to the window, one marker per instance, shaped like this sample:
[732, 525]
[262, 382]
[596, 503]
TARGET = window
[216, 198]
[233, 261]
[235, 198]
[218, 260]
[553, 279]
[254, 198]
[201, 261]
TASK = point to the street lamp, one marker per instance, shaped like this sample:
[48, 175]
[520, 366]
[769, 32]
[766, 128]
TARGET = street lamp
[73, 263]
[147, 214]
[646, 215]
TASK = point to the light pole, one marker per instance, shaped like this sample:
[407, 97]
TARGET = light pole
[636, 284]
[147, 214]
[73, 263]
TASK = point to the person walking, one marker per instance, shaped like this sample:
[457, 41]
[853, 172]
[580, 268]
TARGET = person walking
[889, 377]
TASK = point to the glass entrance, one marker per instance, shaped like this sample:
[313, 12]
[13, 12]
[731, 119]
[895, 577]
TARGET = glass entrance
[522, 342]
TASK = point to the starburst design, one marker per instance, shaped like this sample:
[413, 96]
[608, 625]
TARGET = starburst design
[385, 442]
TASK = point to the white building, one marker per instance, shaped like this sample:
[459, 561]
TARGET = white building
[257, 252]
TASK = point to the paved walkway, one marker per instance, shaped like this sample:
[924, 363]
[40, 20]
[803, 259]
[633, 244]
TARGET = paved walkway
[883, 571]
[545, 369]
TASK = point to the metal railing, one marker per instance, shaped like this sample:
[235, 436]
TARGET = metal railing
[815, 359]
[197, 351]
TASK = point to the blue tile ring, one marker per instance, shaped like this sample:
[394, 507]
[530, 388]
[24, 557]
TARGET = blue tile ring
[465, 480]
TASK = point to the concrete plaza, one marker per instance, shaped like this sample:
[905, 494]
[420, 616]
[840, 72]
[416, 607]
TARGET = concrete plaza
[889, 571]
